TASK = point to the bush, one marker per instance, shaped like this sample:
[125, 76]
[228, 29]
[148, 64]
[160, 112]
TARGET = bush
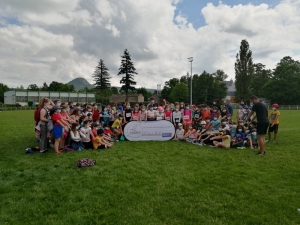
[30, 104]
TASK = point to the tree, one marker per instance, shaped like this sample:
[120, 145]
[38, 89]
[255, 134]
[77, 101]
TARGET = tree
[243, 71]
[33, 87]
[220, 75]
[261, 76]
[101, 77]
[169, 85]
[3, 88]
[283, 87]
[56, 86]
[44, 87]
[114, 90]
[144, 92]
[179, 93]
[127, 69]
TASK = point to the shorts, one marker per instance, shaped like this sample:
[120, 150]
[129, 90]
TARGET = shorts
[262, 128]
[274, 128]
[57, 131]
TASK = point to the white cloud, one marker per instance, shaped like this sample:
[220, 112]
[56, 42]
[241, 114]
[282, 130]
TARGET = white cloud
[62, 40]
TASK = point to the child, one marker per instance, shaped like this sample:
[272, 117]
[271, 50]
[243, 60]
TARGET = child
[95, 112]
[58, 125]
[76, 137]
[87, 131]
[238, 141]
[160, 115]
[252, 139]
[179, 132]
[135, 114]
[215, 123]
[215, 113]
[274, 121]
[100, 142]
[168, 113]
[151, 114]
[187, 117]
[240, 115]
[190, 135]
[225, 140]
[107, 131]
[177, 117]
[143, 114]
[116, 128]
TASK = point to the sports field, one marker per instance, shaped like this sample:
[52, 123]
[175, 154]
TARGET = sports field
[149, 182]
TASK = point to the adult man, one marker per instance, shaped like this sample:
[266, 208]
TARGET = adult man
[261, 113]
[229, 107]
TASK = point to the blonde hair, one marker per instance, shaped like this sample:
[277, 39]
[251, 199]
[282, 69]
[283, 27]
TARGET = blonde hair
[43, 101]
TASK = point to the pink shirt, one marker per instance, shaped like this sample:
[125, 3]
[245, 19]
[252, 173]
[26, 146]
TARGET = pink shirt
[187, 115]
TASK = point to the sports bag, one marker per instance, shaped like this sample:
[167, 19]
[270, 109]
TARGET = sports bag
[84, 162]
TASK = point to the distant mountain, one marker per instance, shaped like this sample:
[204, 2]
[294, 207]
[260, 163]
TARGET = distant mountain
[80, 83]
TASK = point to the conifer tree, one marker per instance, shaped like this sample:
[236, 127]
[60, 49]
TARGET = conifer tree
[101, 78]
[243, 72]
[127, 69]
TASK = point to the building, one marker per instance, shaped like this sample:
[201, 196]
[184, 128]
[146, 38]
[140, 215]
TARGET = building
[230, 89]
[136, 98]
[22, 97]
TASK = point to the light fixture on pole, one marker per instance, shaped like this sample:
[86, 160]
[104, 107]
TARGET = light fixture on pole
[191, 61]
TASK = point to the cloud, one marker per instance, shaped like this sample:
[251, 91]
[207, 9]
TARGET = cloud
[44, 40]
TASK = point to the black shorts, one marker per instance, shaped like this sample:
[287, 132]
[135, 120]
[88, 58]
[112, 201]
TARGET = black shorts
[262, 128]
[274, 128]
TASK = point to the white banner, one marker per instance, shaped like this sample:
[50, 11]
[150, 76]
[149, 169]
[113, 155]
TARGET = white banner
[162, 130]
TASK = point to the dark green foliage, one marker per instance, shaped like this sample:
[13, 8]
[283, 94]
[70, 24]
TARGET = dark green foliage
[127, 69]
[243, 72]
[33, 87]
[169, 85]
[283, 87]
[144, 92]
[3, 88]
[261, 76]
[101, 77]
[56, 86]
[180, 93]
[114, 90]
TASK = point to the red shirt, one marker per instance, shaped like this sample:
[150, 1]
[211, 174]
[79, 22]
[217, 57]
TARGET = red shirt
[107, 131]
[95, 114]
[56, 117]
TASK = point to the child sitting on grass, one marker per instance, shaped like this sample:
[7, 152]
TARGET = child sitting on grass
[179, 133]
[238, 141]
[100, 142]
[225, 140]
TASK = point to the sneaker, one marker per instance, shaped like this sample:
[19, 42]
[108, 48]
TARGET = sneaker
[28, 151]
[43, 151]
[259, 153]
[241, 148]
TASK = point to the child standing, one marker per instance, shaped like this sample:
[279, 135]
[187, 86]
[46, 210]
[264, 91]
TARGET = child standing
[274, 121]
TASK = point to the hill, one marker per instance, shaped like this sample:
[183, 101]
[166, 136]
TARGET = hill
[80, 83]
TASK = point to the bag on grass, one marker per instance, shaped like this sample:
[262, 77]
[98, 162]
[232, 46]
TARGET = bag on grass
[84, 162]
[122, 138]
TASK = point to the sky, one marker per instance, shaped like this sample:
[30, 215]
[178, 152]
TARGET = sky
[59, 40]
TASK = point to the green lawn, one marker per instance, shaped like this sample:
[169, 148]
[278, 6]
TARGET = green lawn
[149, 182]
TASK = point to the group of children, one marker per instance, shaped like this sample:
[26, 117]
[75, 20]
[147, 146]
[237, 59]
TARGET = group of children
[78, 127]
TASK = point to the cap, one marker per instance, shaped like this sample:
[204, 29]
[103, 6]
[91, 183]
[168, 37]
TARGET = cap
[55, 107]
[203, 123]
[160, 108]
[275, 105]
[120, 108]
[180, 124]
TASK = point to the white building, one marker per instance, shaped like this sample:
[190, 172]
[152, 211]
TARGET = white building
[22, 97]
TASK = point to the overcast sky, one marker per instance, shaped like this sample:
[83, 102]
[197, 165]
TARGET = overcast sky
[59, 40]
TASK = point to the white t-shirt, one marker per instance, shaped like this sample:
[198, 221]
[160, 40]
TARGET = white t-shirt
[176, 116]
[179, 133]
[86, 132]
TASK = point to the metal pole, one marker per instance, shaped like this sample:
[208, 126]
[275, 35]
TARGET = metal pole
[191, 84]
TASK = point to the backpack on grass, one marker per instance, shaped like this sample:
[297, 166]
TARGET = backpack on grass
[84, 162]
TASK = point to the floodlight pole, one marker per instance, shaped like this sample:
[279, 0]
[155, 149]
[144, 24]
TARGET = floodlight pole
[191, 97]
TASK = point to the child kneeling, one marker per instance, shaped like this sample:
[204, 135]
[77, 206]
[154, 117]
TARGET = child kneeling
[101, 142]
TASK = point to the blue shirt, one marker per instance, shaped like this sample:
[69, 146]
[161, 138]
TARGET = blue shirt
[215, 122]
[240, 136]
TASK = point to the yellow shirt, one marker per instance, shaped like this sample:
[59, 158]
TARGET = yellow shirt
[116, 123]
[97, 142]
[274, 114]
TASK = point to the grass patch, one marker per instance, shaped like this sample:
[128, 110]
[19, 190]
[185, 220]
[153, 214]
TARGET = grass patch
[148, 182]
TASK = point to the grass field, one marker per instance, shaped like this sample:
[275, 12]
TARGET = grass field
[149, 182]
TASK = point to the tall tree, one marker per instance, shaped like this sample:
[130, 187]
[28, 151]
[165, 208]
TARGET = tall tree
[261, 76]
[144, 92]
[114, 90]
[33, 87]
[283, 87]
[169, 85]
[243, 71]
[180, 93]
[101, 77]
[3, 88]
[127, 69]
